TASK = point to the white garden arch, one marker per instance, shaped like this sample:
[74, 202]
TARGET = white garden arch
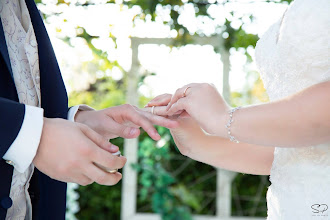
[224, 177]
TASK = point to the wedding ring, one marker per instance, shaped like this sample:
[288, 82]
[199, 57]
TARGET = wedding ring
[106, 169]
[153, 110]
[184, 93]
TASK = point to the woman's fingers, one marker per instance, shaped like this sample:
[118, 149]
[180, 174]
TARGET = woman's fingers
[161, 100]
[180, 93]
[179, 106]
[177, 95]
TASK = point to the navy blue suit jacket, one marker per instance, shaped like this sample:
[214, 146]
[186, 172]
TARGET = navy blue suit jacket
[48, 195]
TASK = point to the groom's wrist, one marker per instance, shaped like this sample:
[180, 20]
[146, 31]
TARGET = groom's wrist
[75, 115]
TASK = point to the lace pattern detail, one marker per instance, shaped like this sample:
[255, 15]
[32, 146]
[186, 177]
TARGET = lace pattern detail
[291, 56]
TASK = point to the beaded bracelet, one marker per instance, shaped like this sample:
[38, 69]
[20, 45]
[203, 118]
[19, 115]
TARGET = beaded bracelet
[228, 125]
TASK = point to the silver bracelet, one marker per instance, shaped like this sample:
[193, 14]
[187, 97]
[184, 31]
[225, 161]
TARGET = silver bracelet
[228, 125]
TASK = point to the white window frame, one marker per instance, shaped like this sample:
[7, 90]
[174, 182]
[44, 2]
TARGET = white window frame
[224, 177]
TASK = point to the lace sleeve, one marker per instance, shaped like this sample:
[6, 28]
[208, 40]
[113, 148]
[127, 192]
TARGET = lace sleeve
[304, 38]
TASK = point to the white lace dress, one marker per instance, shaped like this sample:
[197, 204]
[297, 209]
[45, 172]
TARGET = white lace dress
[292, 55]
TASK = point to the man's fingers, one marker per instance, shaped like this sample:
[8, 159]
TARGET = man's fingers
[101, 177]
[113, 148]
[97, 149]
[159, 120]
[161, 100]
[106, 159]
[123, 130]
[158, 110]
[129, 132]
[97, 139]
[132, 117]
[162, 121]
[85, 180]
[146, 124]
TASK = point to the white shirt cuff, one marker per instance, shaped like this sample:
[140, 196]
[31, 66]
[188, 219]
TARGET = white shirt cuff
[73, 111]
[24, 148]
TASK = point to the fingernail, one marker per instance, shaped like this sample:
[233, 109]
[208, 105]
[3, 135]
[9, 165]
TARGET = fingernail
[156, 134]
[132, 131]
[114, 147]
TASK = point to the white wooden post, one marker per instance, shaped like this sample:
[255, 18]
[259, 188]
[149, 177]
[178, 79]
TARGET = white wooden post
[224, 179]
[129, 187]
[225, 58]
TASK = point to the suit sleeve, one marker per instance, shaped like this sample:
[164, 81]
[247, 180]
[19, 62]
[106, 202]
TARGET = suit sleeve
[20, 133]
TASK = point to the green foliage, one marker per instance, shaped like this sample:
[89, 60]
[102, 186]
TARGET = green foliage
[235, 37]
[171, 184]
[239, 38]
[102, 94]
[249, 195]
[168, 199]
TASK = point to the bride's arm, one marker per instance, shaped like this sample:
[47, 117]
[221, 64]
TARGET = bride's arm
[297, 121]
[302, 119]
[220, 152]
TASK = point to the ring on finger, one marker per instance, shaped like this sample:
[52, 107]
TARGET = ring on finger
[106, 169]
[153, 110]
[184, 93]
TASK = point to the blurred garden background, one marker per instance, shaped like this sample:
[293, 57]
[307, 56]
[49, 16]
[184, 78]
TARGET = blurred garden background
[93, 43]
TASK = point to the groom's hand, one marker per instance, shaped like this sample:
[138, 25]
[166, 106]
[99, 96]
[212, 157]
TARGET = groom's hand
[123, 121]
[67, 152]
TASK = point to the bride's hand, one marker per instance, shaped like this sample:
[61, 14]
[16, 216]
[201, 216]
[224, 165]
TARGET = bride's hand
[188, 131]
[161, 102]
[202, 102]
